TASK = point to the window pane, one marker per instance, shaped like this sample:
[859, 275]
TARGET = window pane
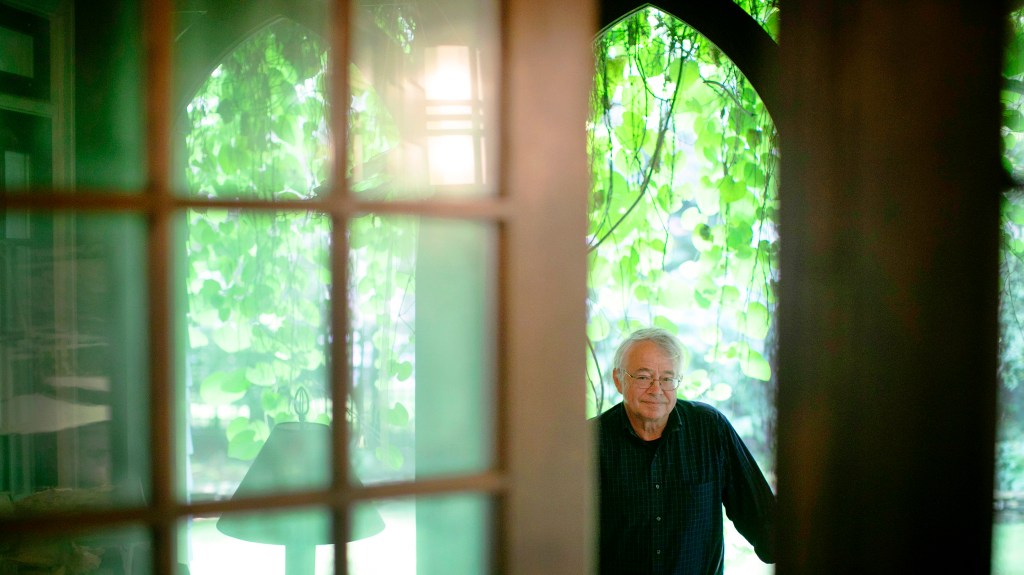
[444, 535]
[422, 347]
[125, 551]
[257, 119]
[264, 543]
[73, 371]
[256, 335]
[109, 72]
[1008, 528]
[27, 146]
[425, 105]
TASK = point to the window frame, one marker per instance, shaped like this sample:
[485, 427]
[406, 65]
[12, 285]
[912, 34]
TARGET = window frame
[540, 208]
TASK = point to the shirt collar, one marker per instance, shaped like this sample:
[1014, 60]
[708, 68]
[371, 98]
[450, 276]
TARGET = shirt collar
[675, 421]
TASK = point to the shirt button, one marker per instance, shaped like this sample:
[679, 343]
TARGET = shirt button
[658, 552]
[657, 486]
[657, 518]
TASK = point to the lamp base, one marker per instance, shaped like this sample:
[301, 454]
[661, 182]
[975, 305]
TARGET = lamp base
[299, 559]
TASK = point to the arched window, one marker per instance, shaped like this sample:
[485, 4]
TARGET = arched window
[683, 230]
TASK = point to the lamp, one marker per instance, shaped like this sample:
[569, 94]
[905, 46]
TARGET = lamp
[294, 458]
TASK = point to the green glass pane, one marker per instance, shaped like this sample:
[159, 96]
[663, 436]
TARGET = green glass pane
[109, 83]
[445, 535]
[292, 542]
[26, 155]
[73, 362]
[256, 122]
[1008, 544]
[425, 103]
[422, 295]
[255, 335]
[72, 94]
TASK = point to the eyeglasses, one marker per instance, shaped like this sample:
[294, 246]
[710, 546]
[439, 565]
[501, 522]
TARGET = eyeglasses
[643, 381]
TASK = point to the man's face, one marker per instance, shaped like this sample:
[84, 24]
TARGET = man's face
[651, 405]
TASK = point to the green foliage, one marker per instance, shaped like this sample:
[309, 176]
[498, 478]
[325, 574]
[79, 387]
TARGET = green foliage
[682, 213]
[1009, 467]
[258, 282]
[765, 12]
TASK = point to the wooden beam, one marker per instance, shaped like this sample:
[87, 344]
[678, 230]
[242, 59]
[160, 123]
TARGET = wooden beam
[888, 302]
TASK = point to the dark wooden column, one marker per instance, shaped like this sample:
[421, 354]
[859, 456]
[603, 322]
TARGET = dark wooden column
[887, 357]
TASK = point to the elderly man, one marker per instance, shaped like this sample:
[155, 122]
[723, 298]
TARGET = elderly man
[667, 467]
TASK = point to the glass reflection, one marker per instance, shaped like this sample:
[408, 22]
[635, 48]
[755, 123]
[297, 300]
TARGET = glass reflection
[257, 119]
[429, 535]
[70, 98]
[257, 294]
[434, 76]
[120, 552]
[73, 392]
[295, 542]
[422, 291]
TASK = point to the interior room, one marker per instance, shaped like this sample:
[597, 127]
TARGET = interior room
[298, 286]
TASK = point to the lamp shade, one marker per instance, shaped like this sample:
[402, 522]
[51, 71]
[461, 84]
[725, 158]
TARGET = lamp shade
[295, 457]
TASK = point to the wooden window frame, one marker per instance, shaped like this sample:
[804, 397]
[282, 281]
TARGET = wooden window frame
[540, 483]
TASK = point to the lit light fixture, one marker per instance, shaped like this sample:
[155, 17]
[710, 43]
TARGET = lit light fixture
[453, 116]
[295, 457]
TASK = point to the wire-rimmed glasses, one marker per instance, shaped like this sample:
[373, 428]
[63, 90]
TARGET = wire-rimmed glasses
[644, 381]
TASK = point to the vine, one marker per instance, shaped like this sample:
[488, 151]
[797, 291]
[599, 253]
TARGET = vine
[259, 282]
[683, 159]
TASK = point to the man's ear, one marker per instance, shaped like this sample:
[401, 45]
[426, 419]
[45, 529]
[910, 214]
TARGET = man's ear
[618, 382]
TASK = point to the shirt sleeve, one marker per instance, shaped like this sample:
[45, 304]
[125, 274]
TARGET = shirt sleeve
[749, 501]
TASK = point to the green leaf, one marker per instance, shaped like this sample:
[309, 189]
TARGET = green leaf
[771, 24]
[720, 392]
[694, 383]
[730, 295]
[755, 321]
[666, 324]
[630, 130]
[403, 371]
[691, 73]
[274, 403]
[398, 416]
[641, 292]
[1014, 63]
[756, 366]
[1013, 120]
[739, 237]
[732, 190]
[390, 455]
[615, 68]
[702, 237]
[237, 425]
[653, 59]
[232, 337]
[224, 387]
[244, 446]
[702, 302]
[1015, 212]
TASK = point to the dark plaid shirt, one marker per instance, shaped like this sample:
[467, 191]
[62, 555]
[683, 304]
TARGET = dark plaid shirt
[661, 502]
